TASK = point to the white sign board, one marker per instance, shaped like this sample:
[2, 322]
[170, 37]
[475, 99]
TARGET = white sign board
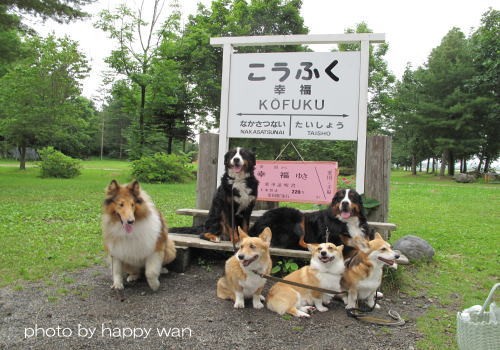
[295, 95]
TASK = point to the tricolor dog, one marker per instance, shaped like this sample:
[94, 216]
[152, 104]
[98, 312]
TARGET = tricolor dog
[341, 223]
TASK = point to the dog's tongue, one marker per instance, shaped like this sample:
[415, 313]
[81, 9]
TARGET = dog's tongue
[345, 215]
[237, 168]
[128, 228]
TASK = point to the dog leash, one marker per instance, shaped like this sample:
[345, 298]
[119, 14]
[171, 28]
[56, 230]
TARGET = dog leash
[232, 235]
[297, 284]
[360, 315]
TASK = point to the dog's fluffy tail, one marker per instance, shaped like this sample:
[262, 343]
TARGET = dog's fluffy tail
[192, 230]
[170, 252]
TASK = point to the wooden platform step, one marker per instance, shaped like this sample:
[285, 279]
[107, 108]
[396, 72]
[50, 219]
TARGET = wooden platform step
[193, 241]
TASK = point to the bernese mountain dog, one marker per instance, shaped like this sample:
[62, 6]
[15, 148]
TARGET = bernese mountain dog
[233, 202]
[235, 197]
[342, 222]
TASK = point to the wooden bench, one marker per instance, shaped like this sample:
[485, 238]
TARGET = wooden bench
[385, 227]
[185, 241]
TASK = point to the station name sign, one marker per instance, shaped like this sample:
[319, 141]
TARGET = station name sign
[294, 95]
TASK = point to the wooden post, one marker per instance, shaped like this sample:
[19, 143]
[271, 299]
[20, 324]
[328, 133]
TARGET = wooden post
[377, 176]
[206, 183]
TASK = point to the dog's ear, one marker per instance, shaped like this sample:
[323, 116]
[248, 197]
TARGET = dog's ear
[378, 236]
[312, 246]
[112, 188]
[266, 235]
[252, 160]
[242, 233]
[227, 157]
[339, 195]
[340, 248]
[135, 188]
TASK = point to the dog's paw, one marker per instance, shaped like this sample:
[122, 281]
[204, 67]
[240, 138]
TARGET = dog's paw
[380, 295]
[163, 271]
[117, 286]
[258, 305]
[321, 308]
[239, 305]
[154, 284]
[302, 314]
[377, 306]
[132, 278]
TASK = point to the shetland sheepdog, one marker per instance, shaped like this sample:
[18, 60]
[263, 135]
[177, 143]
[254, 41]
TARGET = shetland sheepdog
[240, 279]
[363, 273]
[135, 235]
[325, 271]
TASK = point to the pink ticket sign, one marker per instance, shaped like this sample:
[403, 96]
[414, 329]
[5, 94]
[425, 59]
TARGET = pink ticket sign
[289, 181]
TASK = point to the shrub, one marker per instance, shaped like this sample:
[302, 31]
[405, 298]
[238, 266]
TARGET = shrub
[162, 168]
[56, 164]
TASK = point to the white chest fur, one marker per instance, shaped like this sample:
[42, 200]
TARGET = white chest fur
[329, 276]
[244, 198]
[353, 227]
[370, 284]
[251, 284]
[133, 248]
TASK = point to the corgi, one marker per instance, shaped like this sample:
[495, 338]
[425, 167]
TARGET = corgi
[324, 271]
[363, 274]
[239, 280]
[135, 235]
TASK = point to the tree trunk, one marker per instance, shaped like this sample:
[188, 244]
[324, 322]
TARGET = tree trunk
[451, 163]
[428, 163]
[413, 164]
[487, 164]
[22, 157]
[480, 165]
[465, 165]
[169, 145]
[444, 158]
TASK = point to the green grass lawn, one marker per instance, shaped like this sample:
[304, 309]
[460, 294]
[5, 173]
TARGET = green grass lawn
[51, 226]
[461, 222]
[54, 225]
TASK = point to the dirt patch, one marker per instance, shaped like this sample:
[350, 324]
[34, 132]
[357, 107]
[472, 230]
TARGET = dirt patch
[183, 314]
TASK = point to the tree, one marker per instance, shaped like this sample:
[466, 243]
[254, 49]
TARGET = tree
[58, 10]
[380, 81]
[442, 107]
[485, 87]
[40, 95]
[410, 144]
[10, 39]
[128, 29]
[203, 63]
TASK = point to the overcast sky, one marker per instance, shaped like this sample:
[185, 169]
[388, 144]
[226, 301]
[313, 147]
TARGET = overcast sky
[412, 28]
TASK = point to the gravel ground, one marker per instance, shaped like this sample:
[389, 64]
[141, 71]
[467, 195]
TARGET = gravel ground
[79, 311]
